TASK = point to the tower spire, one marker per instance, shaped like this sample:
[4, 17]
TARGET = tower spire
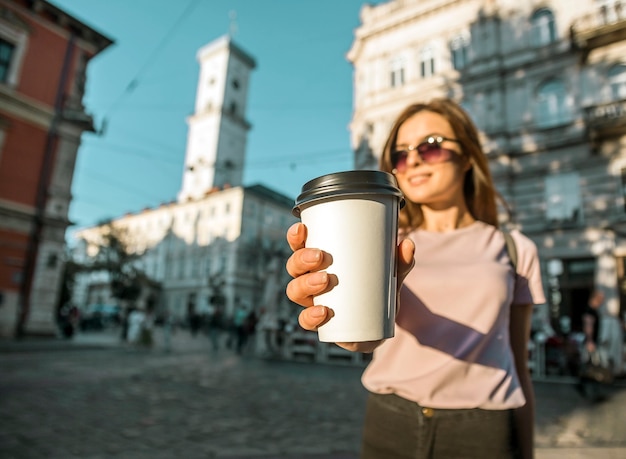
[232, 27]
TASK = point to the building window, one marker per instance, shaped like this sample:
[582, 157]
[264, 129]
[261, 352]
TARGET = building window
[617, 81]
[180, 265]
[542, 28]
[459, 48]
[397, 72]
[610, 11]
[169, 269]
[552, 106]
[427, 62]
[6, 54]
[195, 266]
[563, 199]
[52, 260]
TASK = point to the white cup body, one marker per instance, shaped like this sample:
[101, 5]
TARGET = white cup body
[360, 233]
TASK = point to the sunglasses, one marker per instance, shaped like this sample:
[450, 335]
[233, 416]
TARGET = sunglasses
[429, 151]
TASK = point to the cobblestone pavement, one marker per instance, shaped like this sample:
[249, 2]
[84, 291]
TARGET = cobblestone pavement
[93, 398]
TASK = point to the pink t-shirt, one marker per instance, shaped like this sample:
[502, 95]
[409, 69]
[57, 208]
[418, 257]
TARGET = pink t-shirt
[451, 347]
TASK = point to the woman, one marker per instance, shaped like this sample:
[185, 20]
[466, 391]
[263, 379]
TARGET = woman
[454, 380]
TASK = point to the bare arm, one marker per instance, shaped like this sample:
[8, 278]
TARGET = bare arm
[524, 416]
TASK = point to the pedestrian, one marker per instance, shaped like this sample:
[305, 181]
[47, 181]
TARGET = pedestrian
[68, 319]
[214, 326]
[146, 338]
[597, 366]
[168, 325]
[268, 331]
[591, 320]
[454, 380]
[241, 328]
[136, 320]
[195, 322]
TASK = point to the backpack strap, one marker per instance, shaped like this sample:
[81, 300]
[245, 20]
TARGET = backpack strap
[510, 248]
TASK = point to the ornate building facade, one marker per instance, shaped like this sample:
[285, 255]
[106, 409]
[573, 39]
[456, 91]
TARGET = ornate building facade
[44, 53]
[545, 81]
[219, 241]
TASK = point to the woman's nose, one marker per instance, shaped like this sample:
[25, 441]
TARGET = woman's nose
[413, 158]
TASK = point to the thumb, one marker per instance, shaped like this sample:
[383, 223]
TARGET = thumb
[406, 257]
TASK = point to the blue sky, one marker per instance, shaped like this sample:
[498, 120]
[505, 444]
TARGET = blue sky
[300, 101]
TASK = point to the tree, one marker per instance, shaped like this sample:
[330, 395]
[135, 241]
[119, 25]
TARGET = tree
[116, 257]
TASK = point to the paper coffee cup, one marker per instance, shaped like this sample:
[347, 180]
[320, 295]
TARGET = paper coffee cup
[354, 217]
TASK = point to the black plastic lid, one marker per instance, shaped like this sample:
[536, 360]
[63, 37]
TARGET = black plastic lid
[347, 183]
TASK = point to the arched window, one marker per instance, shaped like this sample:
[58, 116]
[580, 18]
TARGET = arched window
[397, 72]
[552, 106]
[427, 62]
[617, 80]
[459, 47]
[542, 27]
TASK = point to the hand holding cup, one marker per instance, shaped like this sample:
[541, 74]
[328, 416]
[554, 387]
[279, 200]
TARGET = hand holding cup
[306, 266]
[346, 264]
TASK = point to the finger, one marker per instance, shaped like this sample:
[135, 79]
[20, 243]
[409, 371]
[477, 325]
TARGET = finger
[304, 261]
[302, 289]
[313, 317]
[406, 257]
[296, 236]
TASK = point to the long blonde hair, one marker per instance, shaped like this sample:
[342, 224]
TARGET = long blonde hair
[478, 188]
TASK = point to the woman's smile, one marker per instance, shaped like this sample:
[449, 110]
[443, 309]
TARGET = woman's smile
[418, 178]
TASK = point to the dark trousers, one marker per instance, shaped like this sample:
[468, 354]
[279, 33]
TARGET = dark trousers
[396, 428]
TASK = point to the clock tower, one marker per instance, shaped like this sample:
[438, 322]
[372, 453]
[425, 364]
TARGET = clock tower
[218, 129]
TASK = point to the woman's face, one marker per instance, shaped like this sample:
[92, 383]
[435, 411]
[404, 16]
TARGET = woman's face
[438, 185]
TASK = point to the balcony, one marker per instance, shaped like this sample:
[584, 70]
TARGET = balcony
[608, 119]
[602, 28]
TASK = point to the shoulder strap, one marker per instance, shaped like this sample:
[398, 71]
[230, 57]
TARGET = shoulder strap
[510, 248]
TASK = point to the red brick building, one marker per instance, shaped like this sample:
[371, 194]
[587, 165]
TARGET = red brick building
[44, 54]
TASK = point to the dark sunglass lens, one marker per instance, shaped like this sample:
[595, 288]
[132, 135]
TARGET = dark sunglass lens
[430, 152]
[398, 159]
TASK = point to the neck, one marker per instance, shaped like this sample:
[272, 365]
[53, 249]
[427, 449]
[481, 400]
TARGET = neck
[441, 221]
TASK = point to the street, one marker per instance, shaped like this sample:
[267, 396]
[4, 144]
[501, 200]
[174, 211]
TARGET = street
[92, 398]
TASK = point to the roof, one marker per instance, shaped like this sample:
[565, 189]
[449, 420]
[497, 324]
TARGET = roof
[267, 193]
[225, 41]
[66, 21]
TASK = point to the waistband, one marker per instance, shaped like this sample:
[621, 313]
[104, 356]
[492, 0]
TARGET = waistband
[402, 404]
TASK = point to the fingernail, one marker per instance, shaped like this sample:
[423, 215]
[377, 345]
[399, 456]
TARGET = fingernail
[311, 256]
[295, 229]
[320, 278]
[318, 311]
